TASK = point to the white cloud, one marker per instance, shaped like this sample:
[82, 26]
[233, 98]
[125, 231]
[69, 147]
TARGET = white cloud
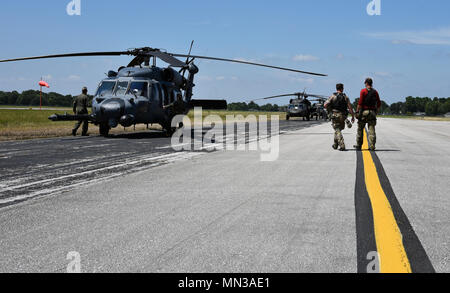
[303, 80]
[439, 36]
[204, 78]
[220, 78]
[47, 77]
[383, 74]
[305, 58]
[74, 77]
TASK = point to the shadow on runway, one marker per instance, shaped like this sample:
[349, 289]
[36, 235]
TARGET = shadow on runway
[139, 135]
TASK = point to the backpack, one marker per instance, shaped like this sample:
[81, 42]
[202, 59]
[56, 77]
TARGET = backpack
[370, 100]
[340, 103]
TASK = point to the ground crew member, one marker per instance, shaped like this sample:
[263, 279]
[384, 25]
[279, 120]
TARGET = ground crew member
[80, 106]
[338, 105]
[368, 107]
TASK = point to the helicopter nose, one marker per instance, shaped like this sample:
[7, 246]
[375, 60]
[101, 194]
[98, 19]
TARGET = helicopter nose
[112, 111]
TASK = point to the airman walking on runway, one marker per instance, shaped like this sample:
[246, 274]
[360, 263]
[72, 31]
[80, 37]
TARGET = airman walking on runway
[368, 107]
[338, 105]
[80, 107]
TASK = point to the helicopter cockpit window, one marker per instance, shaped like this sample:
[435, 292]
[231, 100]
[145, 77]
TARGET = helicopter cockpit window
[142, 88]
[105, 88]
[121, 88]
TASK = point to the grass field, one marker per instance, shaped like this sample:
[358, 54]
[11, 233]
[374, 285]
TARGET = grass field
[29, 124]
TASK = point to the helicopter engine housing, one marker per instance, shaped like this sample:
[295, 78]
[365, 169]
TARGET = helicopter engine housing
[171, 75]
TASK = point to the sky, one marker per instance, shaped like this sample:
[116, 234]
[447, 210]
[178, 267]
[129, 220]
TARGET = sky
[406, 49]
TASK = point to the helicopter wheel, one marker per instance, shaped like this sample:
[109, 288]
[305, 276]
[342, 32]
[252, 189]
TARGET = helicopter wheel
[104, 130]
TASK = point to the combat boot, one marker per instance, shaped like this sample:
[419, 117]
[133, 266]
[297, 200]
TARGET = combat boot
[335, 146]
[357, 147]
[372, 148]
[342, 148]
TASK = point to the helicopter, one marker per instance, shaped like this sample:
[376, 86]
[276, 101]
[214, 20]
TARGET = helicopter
[301, 105]
[140, 92]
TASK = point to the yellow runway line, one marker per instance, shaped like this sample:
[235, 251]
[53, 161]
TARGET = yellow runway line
[389, 240]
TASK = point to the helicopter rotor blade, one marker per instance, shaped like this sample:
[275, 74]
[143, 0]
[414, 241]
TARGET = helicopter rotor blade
[183, 70]
[319, 97]
[87, 54]
[248, 63]
[166, 57]
[273, 97]
[190, 51]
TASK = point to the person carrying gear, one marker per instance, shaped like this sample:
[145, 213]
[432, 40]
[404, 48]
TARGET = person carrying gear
[80, 107]
[338, 105]
[368, 107]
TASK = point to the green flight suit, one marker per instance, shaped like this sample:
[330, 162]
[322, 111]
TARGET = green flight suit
[80, 107]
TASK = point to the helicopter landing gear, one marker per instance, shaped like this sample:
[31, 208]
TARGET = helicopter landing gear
[104, 130]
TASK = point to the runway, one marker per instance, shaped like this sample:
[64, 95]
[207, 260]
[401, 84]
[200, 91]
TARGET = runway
[155, 210]
[50, 166]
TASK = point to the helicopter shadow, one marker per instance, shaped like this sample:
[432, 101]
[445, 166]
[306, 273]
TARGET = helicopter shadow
[139, 135]
[148, 135]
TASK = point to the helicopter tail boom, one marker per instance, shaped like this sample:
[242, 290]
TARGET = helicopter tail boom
[209, 104]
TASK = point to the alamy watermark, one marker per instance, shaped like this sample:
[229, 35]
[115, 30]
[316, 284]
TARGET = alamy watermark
[74, 8]
[373, 267]
[74, 266]
[236, 133]
[374, 8]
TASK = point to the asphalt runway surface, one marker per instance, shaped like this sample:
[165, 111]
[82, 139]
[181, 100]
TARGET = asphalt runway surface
[132, 204]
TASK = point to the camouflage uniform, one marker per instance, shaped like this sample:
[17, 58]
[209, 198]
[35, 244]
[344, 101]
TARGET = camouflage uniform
[368, 117]
[338, 122]
[369, 102]
[338, 117]
[80, 106]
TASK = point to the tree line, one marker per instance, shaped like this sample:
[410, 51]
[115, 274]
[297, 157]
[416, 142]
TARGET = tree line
[411, 105]
[32, 98]
[431, 107]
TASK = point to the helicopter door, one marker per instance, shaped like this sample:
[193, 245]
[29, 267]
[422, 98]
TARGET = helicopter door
[140, 90]
[155, 107]
[165, 96]
[156, 95]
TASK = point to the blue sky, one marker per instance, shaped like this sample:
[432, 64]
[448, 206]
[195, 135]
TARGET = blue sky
[406, 49]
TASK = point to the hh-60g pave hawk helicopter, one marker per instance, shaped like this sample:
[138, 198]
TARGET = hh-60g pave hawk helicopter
[139, 92]
[301, 106]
